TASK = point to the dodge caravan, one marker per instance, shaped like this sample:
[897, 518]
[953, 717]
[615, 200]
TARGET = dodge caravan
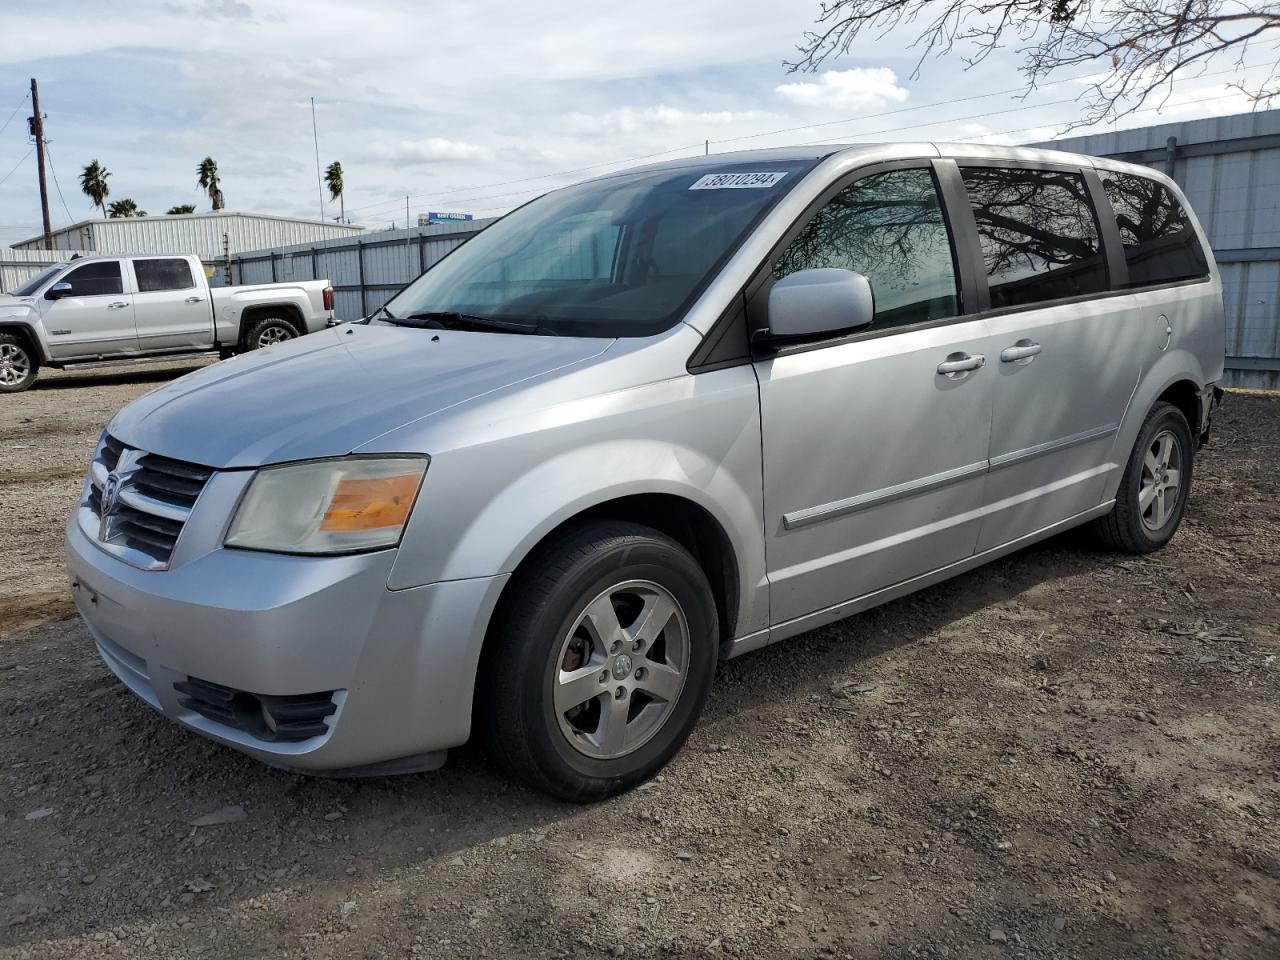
[639, 424]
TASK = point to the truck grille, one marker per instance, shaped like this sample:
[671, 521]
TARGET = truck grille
[137, 502]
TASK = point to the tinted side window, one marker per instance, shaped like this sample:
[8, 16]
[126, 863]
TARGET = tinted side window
[1160, 245]
[1039, 237]
[888, 227]
[95, 279]
[167, 274]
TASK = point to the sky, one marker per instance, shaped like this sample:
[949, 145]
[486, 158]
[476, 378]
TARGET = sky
[463, 106]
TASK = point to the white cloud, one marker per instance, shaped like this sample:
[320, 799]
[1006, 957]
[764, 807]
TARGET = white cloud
[856, 88]
[431, 149]
[639, 119]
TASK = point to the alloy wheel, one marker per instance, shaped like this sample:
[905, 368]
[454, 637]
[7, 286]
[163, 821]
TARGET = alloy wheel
[1161, 483]
[15, 365]
[275, 333]
[620, 669]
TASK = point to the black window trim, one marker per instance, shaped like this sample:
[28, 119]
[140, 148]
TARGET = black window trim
[971, 272]
[1100, 174]
[734, 327]
[79, 266]
[137, 283]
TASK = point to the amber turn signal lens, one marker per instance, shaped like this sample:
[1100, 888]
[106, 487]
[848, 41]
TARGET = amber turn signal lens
[370, 503]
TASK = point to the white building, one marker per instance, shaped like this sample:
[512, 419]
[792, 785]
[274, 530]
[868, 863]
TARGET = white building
[211, 236]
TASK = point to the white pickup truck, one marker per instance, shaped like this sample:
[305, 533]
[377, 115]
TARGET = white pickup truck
[104, 309]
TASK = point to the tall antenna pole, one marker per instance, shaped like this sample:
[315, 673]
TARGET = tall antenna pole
[316, 137]
[37, 131]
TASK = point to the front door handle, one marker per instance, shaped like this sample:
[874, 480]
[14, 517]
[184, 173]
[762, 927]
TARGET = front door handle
[194, 300]
[958, 365]
[118, 305]
[1024, 351]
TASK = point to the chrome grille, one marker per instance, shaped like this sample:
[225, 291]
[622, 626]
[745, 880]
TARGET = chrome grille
[147, 498]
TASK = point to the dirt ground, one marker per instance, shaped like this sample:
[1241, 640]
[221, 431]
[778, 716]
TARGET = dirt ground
[1068, 753]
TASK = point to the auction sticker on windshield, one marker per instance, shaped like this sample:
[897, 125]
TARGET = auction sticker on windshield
[737, 181]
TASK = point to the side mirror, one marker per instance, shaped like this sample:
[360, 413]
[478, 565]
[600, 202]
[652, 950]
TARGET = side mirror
[58, 291]
[810, 303]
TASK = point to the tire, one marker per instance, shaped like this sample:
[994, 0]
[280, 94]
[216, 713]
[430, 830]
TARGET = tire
[268, 331]
[556, 626]
[18, 364]
[1143, 521]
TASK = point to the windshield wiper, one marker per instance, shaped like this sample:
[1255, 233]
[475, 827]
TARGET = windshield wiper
[384, 313]
[467, 321]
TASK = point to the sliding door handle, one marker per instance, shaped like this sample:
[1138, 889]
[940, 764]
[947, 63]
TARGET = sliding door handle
[194, 300]
[958, 365]
[1024, 351]
[118, 305]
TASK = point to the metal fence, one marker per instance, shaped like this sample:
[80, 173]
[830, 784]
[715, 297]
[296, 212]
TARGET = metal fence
[364, 271]
[19, 266]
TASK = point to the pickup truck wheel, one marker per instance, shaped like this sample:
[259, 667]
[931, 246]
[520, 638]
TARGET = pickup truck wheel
[269, 331]
[601, 663]
[18, 365]
[1157, 481]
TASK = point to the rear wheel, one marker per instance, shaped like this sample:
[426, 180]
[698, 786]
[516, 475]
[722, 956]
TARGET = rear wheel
[1157, 481]
[268, 331]
[602, 664]
[18, 364]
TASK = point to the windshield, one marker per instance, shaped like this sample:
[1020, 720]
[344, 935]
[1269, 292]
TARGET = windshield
[31, 286]
[620, 257]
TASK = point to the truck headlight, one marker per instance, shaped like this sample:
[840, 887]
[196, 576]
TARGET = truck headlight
[344, 505]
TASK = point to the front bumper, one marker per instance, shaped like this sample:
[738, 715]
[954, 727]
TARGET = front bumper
[400, 663]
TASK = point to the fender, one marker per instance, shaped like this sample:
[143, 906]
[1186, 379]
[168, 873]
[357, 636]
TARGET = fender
[24, 318]
[693, 438]
[1170, 368]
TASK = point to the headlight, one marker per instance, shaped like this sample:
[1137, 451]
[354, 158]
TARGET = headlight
[328, 506]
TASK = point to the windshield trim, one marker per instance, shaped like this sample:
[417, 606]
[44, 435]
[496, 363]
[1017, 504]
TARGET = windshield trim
[800, 169]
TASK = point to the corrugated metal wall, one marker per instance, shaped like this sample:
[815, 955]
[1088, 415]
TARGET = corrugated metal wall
[364, 271]
[209, 236]
[1229, 168]
[19, 266]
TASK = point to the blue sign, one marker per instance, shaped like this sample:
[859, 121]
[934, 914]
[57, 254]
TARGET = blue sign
[435, 217]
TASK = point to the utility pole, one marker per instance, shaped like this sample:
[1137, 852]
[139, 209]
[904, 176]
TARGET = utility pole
[37, 131]
[408, 238]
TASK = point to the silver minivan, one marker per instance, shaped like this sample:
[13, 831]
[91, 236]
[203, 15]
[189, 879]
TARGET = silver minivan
[656, 419]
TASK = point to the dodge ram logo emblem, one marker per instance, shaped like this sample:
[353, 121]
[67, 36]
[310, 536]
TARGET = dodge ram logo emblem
[110, 498]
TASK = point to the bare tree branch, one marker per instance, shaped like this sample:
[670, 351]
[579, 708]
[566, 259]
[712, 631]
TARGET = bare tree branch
[1139, 47]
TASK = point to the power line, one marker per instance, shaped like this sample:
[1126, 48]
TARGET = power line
[449, 195]
[17, 165]
[15, 112]
[57, 185]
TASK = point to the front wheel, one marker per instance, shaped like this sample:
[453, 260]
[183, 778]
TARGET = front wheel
[601, 664]
[269, 331]
[1156, 484]
[18, 365]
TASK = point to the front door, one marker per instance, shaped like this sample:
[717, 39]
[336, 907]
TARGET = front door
[93, 318]
[874, 457]
[1067, 356]
[170, 310]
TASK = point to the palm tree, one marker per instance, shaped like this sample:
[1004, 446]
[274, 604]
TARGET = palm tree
[208, 171]
[333, 180]
[181, 208]
[125, 208]
[93, 181]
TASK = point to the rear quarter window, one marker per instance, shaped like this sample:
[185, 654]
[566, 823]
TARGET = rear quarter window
[1160, 244]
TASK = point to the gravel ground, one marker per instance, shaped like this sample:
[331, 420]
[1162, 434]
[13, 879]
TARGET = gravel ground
[1068, 753]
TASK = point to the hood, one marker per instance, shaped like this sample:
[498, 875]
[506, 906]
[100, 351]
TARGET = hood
[11, 306]
[326, 394]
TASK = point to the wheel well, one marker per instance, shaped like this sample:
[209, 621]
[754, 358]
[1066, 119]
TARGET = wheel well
[1186, 397]
[282, 311]
[683, 521]
[24, 333]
